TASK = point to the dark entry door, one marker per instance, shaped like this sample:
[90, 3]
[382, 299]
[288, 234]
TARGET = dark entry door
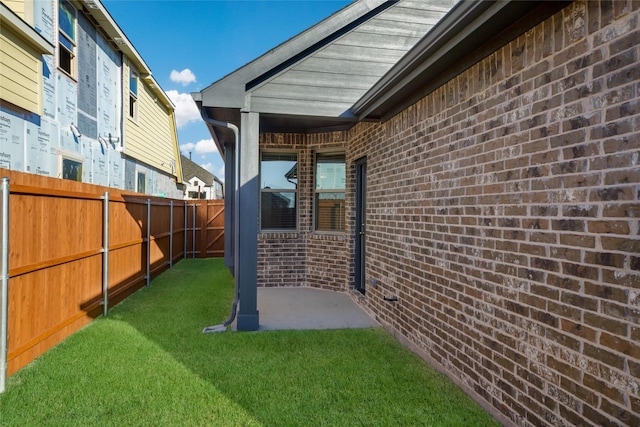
[361, 220]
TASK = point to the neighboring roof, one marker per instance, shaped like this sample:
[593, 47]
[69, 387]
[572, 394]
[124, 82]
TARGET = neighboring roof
[190, 169]
[312, 80]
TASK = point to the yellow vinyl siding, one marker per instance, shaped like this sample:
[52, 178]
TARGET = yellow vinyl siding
[22, 8]
[151, 138]
[20, 72]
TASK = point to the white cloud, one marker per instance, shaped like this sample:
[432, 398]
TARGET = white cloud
[183, 77]
[220, 173]
[208, 166]
[186, 109]
[202, 147]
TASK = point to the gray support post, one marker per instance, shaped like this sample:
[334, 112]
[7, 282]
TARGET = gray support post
[4, 281]
[186, 213]
[105, 254]
[249, 193]
[148, 242]
[171, 235]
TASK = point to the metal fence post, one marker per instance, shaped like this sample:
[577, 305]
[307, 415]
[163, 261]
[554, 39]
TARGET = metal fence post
[186, 214]
[105, 255]
[148, 242]
[171, 235]
[193, 235]
[4, 279]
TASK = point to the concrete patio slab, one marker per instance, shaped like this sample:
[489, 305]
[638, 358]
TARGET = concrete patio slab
[309, 308]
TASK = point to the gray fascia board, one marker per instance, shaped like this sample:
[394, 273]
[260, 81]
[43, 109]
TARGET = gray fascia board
[432, 56]
[197, 98]
[453, 27]
[229, 91]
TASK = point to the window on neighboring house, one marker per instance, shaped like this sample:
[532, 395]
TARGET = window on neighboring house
[141, 183]
[71, 169]
[330, 192]
[195, 195]
[66, 37]
[133, 94]
[278, 191]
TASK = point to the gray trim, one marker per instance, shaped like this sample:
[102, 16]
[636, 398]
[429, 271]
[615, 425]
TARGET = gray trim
[330, 38]
[468, 33]
[230, 90]
[249, 192]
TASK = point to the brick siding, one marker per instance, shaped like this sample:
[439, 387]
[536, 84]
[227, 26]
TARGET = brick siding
[305, 256]
[503, 214]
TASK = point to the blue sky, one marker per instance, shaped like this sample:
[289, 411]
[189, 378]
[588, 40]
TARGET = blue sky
[189, 44]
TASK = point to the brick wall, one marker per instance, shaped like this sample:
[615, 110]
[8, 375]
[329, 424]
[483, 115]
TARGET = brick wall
[503, 213]
[303, 257]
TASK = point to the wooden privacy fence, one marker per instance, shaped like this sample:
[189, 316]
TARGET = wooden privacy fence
[75, 250]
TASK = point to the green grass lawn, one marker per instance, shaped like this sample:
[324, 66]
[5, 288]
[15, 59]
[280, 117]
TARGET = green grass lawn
[149, 364]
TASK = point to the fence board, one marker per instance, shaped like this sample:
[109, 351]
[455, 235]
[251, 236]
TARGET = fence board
[212, 229]
[55, 258]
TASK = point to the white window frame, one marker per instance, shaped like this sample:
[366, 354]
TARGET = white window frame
[142, 174]
[64, 39]
[132, 111]
[72, 157]
[318, 191]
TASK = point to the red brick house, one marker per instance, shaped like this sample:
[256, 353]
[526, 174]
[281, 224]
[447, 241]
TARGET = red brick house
[471, 177]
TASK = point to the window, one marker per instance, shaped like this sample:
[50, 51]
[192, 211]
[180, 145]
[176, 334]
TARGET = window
[278, 190]
[196, 195]
[67, 37]
[330, 192]
[141, 183]
[71, 169]
[133, 94]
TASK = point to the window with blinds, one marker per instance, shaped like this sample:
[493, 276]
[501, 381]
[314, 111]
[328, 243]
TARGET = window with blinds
[278, 191]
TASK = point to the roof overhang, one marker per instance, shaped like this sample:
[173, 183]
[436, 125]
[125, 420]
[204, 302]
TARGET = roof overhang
[470, 31]
[9, 19]
[229, 91]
